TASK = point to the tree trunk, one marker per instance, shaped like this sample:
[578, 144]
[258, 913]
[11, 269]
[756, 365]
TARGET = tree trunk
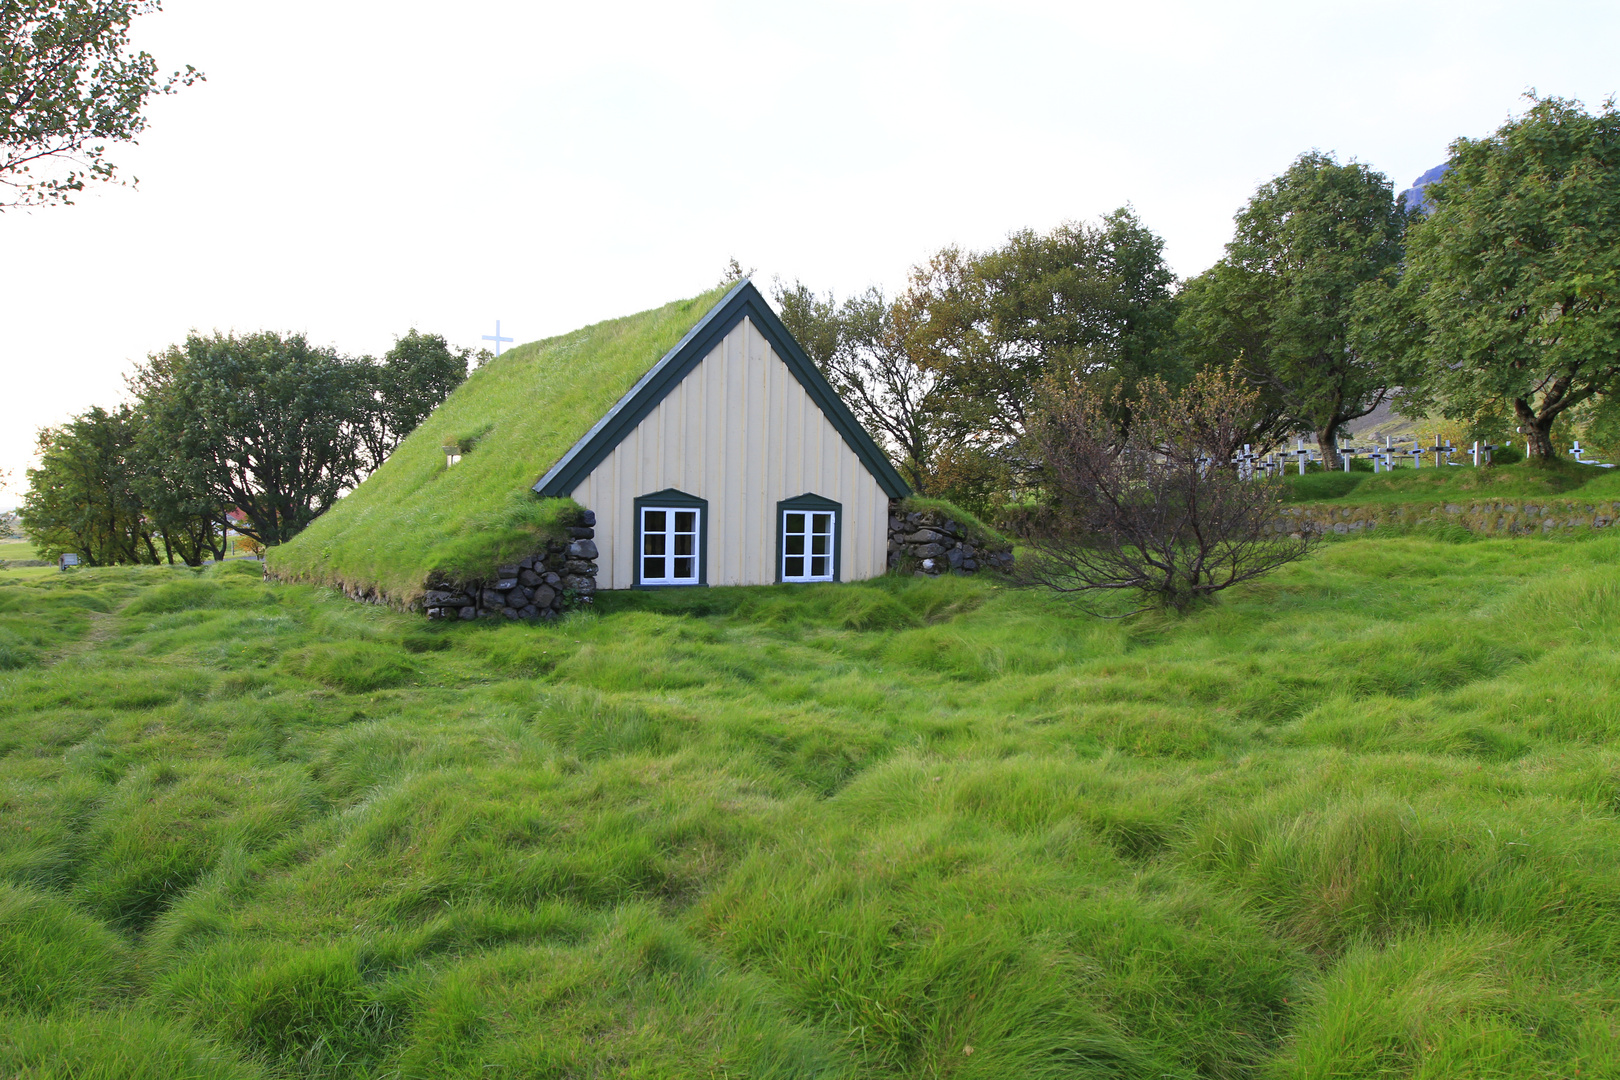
[1537, 431]
[1327, 441]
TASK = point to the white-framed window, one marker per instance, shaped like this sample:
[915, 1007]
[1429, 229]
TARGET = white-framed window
[807, 544]
[669, 545]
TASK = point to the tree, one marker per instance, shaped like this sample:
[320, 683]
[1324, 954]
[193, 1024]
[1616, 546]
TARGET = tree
[995, 326]
[1283, 301]
[862, 346]
[416, 375]
[81, 498]
[271, 422]
[175, 499]
[1511, 288]
[1151, 507]
[70, 84]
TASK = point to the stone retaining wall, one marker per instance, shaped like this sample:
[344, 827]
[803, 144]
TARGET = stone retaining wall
[541, 586]
[932, 544]
[1495, 517]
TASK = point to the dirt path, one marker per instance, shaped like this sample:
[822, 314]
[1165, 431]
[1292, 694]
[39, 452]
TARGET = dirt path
[102, 625]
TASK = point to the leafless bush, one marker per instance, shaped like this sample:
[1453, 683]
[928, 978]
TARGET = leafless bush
[1155, 509]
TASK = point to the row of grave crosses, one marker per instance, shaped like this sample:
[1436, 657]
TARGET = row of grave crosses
[1275, 463]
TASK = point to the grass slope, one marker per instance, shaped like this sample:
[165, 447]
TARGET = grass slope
[1456, 484]
[518, 414]
[1359, 820]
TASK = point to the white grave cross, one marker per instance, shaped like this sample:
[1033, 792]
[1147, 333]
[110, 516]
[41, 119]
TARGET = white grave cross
[496, 337]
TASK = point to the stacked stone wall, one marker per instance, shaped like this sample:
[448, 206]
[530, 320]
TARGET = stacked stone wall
[542, 586]
[1495, 517]
[931, 543]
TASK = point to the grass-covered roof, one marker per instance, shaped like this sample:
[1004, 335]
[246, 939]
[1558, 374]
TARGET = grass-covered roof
[517, 415]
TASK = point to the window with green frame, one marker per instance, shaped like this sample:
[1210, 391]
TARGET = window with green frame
[671, 539]
[809, 530]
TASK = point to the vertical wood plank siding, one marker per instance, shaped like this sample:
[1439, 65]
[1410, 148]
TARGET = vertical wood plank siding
[740, 432]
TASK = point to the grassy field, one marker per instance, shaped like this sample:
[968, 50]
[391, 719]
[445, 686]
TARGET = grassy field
[1456, 484]
[1358, 820]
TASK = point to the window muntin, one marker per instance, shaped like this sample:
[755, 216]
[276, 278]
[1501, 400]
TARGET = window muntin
[807, 544]
[669, 545]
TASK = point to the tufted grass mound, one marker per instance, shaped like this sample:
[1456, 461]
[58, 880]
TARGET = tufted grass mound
[1359, 819]
[514, 417]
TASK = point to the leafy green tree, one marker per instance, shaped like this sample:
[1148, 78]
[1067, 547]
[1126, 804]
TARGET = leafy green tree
[1283, 302]
[271, 422]
[70, 84]
[1511, 287]
[1084, 299]
[416, 375]
[81, 497]
[175, 499]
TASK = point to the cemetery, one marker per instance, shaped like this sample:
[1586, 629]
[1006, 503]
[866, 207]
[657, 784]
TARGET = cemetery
[1050, 666]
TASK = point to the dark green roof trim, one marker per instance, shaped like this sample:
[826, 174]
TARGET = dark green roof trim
[743, 301]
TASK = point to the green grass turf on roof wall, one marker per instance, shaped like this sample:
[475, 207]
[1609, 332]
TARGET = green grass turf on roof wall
[414, 518]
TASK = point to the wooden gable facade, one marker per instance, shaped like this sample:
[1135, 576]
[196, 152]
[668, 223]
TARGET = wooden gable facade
[731, 462]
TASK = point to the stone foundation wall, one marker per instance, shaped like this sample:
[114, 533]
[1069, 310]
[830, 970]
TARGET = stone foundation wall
[932, 543]
[1495, 517]
[542, 586]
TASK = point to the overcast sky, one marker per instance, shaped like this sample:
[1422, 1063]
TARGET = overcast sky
[353, 169]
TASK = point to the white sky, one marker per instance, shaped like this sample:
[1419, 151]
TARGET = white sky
[352, 169]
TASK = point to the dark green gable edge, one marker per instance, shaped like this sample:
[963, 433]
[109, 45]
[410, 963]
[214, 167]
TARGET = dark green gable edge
[743, 301]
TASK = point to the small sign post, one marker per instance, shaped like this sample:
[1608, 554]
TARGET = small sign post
[66, 559]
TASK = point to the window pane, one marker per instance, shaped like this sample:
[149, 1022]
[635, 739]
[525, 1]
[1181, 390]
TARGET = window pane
[686, 521]
[795, 523]
[652, 543]
[685, 568]
[652, 569]
[793, 544]
[653, 521]
[819, 567]
[820, 544]
[793, 567]
[683, 543]
[824, 523]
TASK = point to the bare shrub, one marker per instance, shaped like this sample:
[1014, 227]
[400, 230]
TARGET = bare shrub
[1155, 508]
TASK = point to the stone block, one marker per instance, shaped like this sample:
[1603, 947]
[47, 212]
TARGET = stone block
[580, 533]
[954, 557]
[554, 580]
[579, 583]
[510, 613]
[928, 551]
[506, 582]
[588, 519]
[529, 611]
[970, 564]
[447, 598]
[582, 549]
[581, 566]
[468, 612]
[545, 596]
[924, 536]
[490, 598]
[530, 579]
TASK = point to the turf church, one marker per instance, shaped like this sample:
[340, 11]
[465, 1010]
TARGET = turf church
[732, 461]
